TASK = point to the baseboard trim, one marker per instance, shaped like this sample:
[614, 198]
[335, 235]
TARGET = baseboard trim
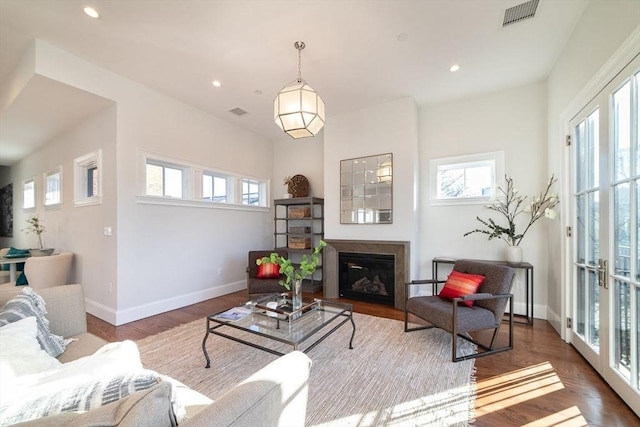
[121, 317]
[556, 322]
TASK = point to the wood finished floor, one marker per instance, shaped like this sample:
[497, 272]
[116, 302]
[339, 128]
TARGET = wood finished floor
[542, 382]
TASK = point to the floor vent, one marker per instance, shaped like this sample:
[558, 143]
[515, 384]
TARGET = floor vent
[520, 12]
[238, 111]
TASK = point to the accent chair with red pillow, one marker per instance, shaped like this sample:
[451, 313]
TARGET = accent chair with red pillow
[491, 299]
[264, 278]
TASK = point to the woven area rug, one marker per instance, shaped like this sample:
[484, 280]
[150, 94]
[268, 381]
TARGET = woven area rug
[390, 378]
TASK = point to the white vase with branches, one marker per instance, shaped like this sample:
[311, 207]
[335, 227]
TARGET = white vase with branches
[512, 205]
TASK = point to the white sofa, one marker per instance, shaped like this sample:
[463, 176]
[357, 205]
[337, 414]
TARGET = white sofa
[276, 395]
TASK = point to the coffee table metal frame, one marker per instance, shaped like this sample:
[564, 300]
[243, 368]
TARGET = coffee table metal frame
[333, 312]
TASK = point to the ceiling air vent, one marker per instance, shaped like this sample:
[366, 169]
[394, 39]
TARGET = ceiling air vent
[520, 12]
[238, 111]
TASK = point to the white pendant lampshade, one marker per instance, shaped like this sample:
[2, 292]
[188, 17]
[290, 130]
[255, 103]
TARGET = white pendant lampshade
[298, 109]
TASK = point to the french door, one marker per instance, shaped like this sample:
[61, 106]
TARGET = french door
[605, 288]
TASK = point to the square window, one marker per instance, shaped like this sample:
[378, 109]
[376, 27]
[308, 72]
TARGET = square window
[88, 179]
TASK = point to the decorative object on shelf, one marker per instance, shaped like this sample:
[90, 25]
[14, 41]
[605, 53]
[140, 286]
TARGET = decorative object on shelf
[36, 227]
[299, 212]
[299, 242]
[366, 185]
[295, 276]
[298, 109]
[286, 194]
[297, 186]
[511, 205]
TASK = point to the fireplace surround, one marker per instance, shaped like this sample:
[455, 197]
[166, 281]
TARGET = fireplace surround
[399, 249]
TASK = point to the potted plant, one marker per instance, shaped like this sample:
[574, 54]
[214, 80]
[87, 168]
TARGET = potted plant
[294, 274]
[511, 205]
[36, 227]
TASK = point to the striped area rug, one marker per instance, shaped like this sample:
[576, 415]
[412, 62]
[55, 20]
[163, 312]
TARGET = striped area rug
[390, 378]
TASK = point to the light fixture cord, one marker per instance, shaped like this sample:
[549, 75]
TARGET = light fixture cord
[299, 65]
[299, 46]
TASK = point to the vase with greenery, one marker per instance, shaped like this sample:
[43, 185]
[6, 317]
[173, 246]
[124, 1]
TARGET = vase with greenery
[36, 227]
[511, 205]
[295, 273]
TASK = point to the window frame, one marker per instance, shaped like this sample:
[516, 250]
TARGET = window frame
[494, 159]
[45, 191]
[81, 167]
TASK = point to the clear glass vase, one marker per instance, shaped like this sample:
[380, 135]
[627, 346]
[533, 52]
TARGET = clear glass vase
[296, 294]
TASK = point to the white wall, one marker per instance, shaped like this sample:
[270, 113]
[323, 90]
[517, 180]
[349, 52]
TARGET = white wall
[298, 156]
[513, 121]
[604, 26]
[70, 228]
[387, 128]
[167, 256]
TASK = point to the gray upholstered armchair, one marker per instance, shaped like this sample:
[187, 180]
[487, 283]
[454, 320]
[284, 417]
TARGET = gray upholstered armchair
[459, 319]
[257, 286]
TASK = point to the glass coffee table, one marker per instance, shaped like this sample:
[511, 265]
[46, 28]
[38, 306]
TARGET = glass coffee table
[273, 317]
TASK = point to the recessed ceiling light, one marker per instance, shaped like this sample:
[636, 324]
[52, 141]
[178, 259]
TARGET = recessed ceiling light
[91, 12]
[257, 92]
[402, 37]
[216, 83]
[454, 68]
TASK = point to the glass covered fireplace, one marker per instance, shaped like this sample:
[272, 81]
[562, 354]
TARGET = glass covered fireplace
[367, 277]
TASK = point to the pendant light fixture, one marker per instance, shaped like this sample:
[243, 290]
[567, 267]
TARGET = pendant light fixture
[298, 109]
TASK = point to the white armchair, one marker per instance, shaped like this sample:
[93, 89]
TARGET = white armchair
[47, 271]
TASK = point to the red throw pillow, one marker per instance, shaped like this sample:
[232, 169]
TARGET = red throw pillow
[461, 284]
[268, 270]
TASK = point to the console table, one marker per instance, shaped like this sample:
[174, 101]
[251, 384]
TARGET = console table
[528, 268]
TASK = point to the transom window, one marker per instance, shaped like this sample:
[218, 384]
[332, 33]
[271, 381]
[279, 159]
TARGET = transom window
[167, 179]
[164, 180]
[250, 192]
[215, 188]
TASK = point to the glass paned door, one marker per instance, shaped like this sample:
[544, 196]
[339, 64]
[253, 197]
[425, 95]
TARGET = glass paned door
[587, 207]
[605, 289]
[626, 271]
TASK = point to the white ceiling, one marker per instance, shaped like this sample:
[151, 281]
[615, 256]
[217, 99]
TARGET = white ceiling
[354, 57]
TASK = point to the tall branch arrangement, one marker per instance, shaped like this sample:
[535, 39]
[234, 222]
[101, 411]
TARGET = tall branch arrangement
[37, 228]
[511, 205]
[306, 268]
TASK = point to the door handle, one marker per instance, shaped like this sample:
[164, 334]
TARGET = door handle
[603, 273]
[601, 270]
